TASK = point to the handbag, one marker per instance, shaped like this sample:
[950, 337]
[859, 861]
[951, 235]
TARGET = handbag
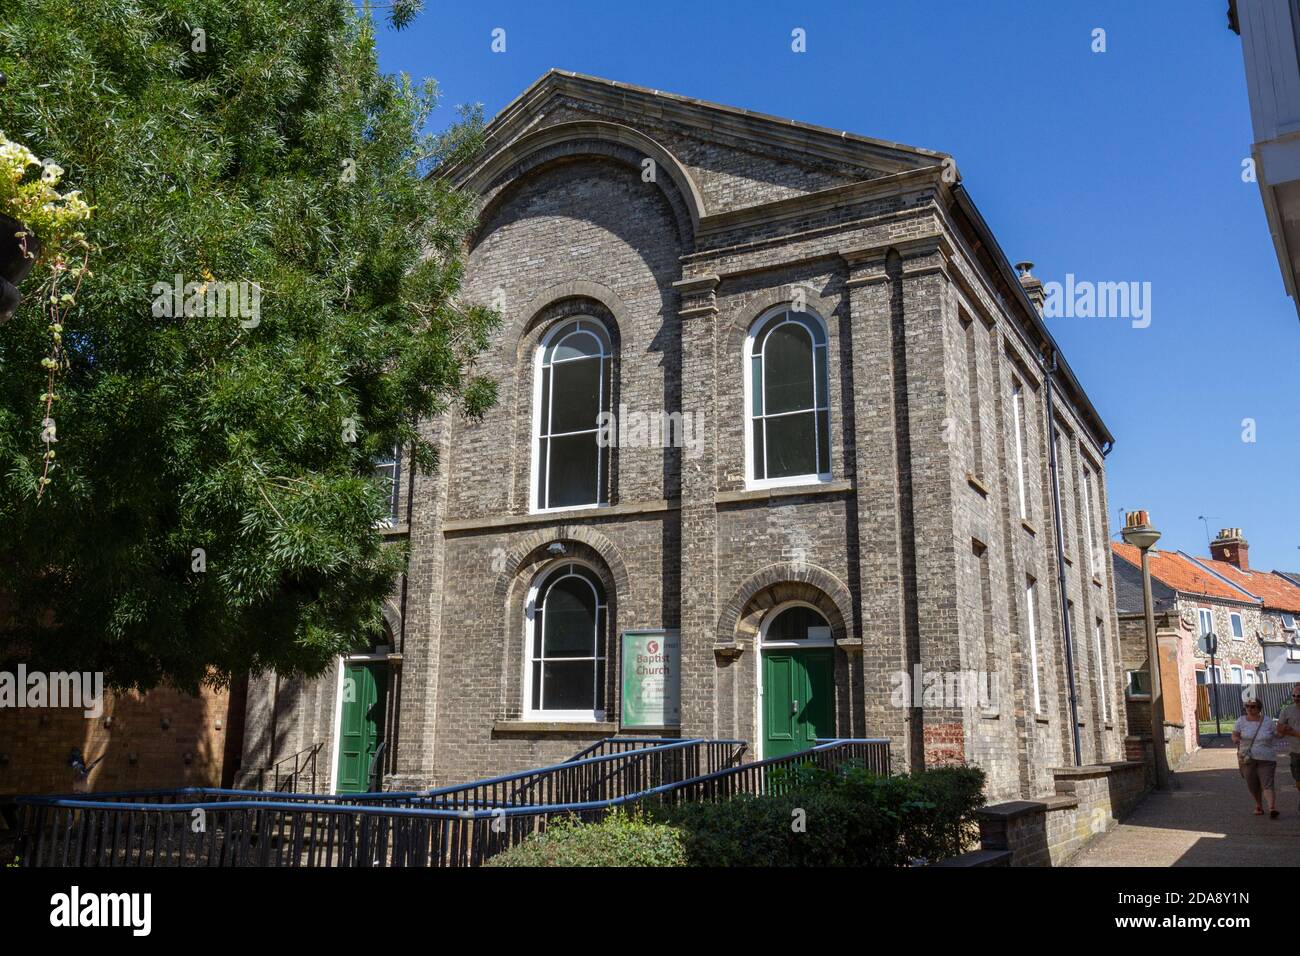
[1246, 760]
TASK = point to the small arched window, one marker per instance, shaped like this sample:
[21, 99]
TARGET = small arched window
[787, 391]
[570, 463]
[568, 620]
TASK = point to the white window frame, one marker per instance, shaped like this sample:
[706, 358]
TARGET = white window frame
[558, 569]
[395, 464]
[1031, 618]
[1238, 675]
[561, 330]
[777, 316]
[1205, 614]
[1018, 414]
[1235, 624]
[1101, 666]
[1089, 544]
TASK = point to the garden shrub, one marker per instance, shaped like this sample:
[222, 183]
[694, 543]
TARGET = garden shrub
[851, 817]
[619, 840]
[812, 817]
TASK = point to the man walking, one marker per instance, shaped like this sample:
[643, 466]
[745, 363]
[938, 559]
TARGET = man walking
[1288, 725]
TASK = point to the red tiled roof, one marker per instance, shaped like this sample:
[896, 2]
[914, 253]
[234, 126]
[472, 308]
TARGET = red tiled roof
[1278, 593]
[1181, 574]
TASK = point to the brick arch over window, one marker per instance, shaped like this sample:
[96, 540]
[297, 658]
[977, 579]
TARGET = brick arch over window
[737, 328]
[531, 552]
[520, 570]
[565, 141]
[777, 584]
[559, 301]
[392, 615]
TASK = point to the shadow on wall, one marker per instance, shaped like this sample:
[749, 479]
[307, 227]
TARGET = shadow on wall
[159, 738]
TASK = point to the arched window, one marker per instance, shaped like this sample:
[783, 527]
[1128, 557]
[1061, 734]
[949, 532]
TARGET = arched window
[572, 390]
[568, 620]
[788, 400]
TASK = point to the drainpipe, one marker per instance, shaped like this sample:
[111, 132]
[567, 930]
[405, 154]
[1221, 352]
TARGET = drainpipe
[1060, 561]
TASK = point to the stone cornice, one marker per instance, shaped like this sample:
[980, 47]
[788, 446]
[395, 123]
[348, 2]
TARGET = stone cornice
[823, 200]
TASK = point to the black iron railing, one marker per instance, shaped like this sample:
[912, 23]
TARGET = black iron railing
[61, 831]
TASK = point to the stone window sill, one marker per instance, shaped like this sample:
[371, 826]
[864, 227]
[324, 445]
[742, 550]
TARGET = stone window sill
[976, 482]
[534, 728]
[787, 491]
[566, 517]
[1024, 523]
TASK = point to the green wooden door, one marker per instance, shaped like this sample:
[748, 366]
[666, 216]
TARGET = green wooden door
[361, 726]
[798, 700]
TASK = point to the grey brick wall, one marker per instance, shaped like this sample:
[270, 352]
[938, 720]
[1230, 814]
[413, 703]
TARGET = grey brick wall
[914, 551]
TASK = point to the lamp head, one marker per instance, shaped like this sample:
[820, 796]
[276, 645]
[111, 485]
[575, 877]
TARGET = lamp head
[1138, 530]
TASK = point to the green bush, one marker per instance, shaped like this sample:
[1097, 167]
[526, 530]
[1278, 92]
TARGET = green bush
[811, 817]
[849, 818]
[618, 840]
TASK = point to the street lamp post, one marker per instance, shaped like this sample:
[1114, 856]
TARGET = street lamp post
[1139, 533]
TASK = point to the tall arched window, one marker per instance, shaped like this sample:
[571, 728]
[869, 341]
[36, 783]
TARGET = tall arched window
[568, 620]
[788, 398]
[572, 390]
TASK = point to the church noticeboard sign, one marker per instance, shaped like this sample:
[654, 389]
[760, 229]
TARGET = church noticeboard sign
[652, 679]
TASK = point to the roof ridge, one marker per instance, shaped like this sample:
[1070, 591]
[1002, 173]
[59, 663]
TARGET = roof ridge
[1231, 584]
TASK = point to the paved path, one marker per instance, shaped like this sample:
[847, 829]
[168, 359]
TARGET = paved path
[1206, 819]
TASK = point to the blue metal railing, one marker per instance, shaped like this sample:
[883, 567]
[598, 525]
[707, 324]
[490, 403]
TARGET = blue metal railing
[60, 831]
[627, 764]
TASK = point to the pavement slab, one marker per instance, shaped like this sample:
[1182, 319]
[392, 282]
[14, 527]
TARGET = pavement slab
[1206, 818]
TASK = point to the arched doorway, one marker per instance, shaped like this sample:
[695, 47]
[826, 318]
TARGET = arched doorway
[796, 679]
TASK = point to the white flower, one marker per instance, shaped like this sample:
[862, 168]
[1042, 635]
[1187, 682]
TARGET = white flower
[52, 173]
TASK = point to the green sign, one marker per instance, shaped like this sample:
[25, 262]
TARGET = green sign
[652, 679]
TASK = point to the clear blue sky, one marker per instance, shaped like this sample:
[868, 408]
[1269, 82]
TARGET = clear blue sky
[1115, 166]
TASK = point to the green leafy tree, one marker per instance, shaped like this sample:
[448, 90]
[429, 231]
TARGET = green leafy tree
[212, 507]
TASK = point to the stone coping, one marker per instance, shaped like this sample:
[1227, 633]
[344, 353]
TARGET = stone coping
[1093, 770]
[1015, 809]
[1010, 810]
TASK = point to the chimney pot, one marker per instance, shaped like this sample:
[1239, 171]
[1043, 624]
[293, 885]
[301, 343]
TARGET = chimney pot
[1232, 547]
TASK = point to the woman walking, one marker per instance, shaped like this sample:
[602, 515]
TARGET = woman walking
[1255, 734]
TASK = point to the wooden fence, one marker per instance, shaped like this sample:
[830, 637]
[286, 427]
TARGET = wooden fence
[1273, 696]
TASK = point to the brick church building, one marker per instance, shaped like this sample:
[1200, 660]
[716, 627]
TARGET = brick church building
[773, 403]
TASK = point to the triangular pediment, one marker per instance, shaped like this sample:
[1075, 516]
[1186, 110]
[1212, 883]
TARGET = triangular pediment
[730, 158]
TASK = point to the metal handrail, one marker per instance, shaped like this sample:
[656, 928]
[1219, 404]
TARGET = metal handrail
[297, 833]
[466, 813]
[433, 794]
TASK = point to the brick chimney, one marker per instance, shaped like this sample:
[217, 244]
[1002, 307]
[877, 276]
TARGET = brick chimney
[1033, 286]
[1230, 546]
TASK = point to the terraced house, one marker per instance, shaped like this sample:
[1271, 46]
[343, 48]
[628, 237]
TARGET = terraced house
[784, 451]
